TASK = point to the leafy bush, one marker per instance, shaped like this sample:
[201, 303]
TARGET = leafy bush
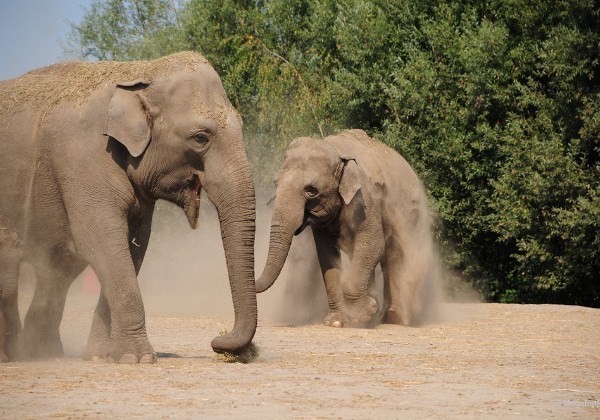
[496, 104]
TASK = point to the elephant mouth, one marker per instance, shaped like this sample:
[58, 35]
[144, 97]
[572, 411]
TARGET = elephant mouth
[310, 218]
[192, 202]
[316, 218]
[307, 220]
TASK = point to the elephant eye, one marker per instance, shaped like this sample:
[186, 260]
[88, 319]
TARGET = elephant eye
[311, 191]
[200, 139]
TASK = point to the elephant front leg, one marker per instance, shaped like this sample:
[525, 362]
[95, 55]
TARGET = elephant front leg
[330, 261]
[335, 317]
[120, 313]
[359, 308]
[98, 346]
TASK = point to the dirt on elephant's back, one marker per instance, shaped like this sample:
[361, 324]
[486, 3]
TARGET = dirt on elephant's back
[74, 82]
[490, 359]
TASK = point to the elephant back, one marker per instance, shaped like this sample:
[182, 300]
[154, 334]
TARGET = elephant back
[74, 82]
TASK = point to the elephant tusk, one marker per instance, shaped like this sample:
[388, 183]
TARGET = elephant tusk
[192, 205]
[198, 187]
[305, 223]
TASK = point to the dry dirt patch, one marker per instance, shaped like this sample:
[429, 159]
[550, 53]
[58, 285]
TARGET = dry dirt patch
[477, 360]
[481, 359]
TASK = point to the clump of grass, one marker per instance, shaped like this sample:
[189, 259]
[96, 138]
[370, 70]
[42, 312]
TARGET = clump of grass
[75, 81]
[246, 354]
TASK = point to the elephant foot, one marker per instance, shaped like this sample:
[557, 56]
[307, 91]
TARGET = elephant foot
[12, 348]
[131, 351]
[353, 314]
[132, 359]
[48, 348]
[3, 356]
[96, 350]
[361, 312]
[102, 354]
[400, 316]
[103, 345]
[392, 317]
[334, 319]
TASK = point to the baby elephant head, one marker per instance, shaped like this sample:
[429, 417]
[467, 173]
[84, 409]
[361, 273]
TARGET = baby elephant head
[313, 185]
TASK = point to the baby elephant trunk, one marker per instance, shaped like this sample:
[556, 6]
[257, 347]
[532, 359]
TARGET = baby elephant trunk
[288, 217]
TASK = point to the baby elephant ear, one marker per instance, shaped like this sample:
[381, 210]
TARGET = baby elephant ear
[350, 182]
[128, 119]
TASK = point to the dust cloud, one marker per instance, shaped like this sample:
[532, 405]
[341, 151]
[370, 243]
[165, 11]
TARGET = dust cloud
[184, 271]
[184, 275]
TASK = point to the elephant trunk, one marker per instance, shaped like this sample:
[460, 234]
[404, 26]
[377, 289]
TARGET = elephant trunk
[288, 217]
[233, 195]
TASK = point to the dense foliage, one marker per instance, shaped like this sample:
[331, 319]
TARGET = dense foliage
[496, 104]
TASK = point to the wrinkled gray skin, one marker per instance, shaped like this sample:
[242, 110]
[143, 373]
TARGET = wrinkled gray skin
[362, 198]
[3, 357]
[79, 178]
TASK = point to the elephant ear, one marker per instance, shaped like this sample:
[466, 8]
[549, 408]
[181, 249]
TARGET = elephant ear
[350, 182]
[128, 119]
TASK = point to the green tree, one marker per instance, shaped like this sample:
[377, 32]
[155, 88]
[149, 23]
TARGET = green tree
[269, 55]
[496, 104]
[126, 30]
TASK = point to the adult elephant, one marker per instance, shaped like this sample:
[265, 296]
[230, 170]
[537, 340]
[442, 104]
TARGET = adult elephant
[362, 198]
[86, 149]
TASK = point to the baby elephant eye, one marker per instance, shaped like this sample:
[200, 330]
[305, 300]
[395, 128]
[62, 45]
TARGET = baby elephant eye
[311, 191]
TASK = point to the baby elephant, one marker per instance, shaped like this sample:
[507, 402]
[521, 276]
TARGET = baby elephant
[360, 197]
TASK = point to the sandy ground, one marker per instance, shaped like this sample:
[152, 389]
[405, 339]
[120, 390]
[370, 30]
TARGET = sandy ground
[476, 360]
[487, 360]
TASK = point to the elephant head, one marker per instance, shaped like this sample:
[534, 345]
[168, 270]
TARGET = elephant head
[314, 183]
[177, 133]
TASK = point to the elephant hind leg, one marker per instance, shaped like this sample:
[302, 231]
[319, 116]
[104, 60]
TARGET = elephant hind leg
[3, 356]
[98, 344]
[406, 269]
[10, 321]
[392, 310]
[41, 336]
